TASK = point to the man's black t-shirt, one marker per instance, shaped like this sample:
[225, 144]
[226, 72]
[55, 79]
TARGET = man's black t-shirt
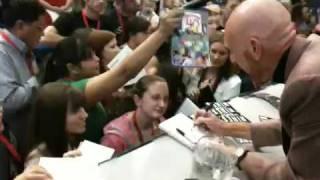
[67, 23]
[114, 21]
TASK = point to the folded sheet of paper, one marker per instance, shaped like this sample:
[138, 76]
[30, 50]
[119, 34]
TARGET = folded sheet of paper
[189, 135]
[95, 152]
[70, 168]
[83, 167]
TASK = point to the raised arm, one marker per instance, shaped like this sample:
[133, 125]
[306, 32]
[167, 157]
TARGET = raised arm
[102, 86]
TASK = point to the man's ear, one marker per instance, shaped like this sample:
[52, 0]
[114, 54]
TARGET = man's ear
[255, 48]
[73, 69]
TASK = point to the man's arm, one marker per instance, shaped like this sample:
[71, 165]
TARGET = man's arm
[14, 94]
[300, 118]
[262, 134]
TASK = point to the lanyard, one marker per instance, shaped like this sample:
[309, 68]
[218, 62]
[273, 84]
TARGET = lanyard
[139, 132]
[28, 58]
[85, 20]
[12, 150]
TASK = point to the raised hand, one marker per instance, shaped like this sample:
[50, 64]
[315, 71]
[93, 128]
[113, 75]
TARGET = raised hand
[170, 20]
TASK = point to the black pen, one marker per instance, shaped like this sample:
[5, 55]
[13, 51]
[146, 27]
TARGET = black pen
[183, 134]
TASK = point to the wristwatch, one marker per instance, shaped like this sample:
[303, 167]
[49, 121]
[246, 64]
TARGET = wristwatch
[240, 154]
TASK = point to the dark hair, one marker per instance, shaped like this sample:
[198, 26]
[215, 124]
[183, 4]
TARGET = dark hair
[296, 12]
[137, 24]
[25, 10]
[224, 72]
[173, 76]
[96, 39]
[69, 50]
[49, 117]
[142, 85]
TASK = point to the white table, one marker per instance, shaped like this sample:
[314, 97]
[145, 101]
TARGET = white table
[166, 159]
[162, 159]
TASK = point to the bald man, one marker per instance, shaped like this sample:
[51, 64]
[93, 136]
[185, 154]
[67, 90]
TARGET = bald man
[263, 42]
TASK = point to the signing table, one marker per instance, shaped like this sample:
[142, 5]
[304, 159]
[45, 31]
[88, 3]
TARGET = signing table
[166, 159]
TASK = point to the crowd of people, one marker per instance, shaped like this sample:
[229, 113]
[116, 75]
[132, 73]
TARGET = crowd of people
[104, 74]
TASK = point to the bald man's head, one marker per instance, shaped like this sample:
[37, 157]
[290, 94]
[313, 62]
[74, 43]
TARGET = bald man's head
[257, 34]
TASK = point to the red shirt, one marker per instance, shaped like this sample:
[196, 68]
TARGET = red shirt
[57, 3]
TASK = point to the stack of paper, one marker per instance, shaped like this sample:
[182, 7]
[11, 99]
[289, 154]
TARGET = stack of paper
[95, 152]
[70, 168]
[84, 167]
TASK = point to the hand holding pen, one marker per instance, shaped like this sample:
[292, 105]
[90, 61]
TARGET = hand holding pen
[210, 122]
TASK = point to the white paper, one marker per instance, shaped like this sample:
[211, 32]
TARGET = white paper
[116, 61]
[188, 108]
[70, 168]
[252, 107]
[191, 133]
[95, 152]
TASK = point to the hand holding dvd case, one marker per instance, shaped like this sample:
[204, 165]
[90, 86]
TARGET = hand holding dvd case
[190, 44]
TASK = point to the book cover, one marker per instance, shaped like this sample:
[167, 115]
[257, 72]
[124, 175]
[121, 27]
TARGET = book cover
[190, 43]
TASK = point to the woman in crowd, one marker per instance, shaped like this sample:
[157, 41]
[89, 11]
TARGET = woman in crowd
[11, 162]
[220, 82]
[75, 63]
[59, 120]
[110, 50]
[134, 128]
[103, 43]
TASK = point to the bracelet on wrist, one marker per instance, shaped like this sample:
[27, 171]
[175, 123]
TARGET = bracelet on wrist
[240, 158]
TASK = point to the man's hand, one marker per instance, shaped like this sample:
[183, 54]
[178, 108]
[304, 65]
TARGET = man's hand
[34, 173]
[210, 122]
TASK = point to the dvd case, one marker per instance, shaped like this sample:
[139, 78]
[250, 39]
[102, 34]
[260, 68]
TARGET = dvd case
[190, 44]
